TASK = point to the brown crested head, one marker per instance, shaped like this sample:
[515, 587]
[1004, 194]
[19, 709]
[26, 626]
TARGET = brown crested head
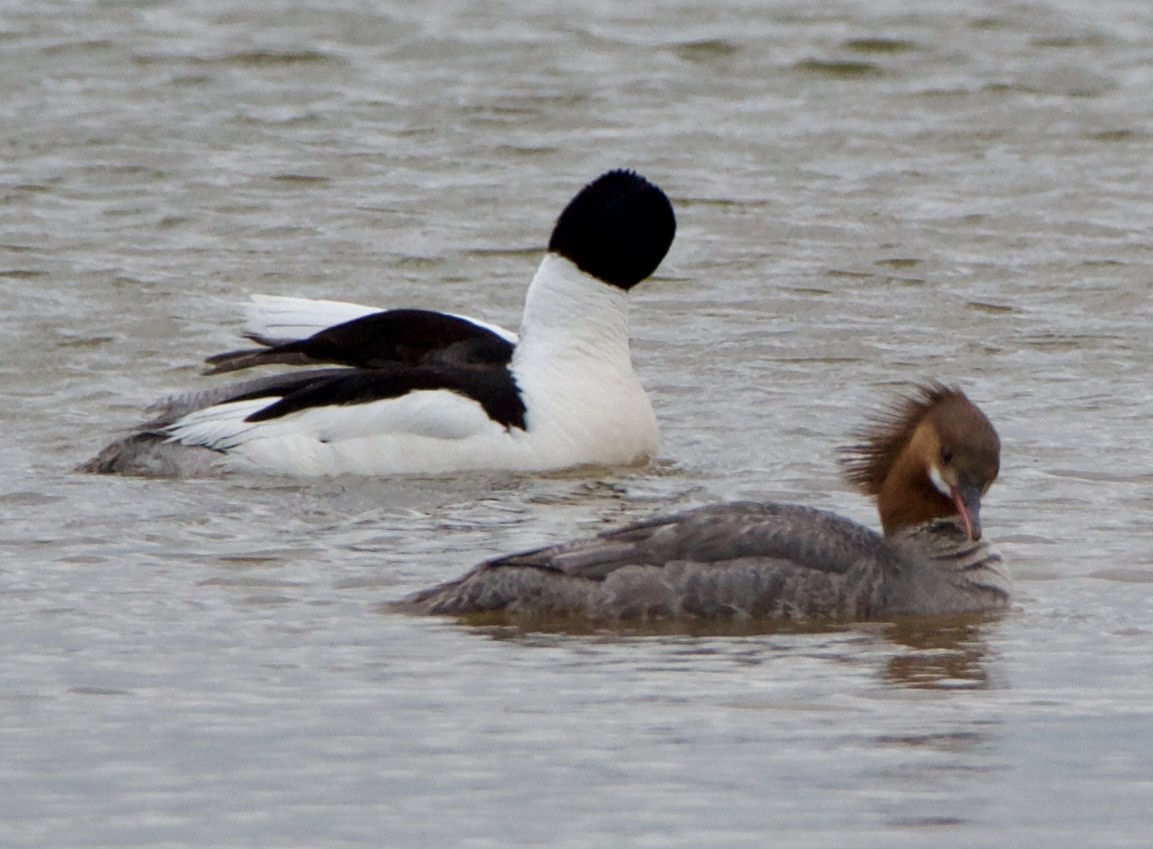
[931, 455]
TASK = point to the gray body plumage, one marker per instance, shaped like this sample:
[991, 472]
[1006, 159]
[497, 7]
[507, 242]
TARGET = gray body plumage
[151, 453]
[737, 561]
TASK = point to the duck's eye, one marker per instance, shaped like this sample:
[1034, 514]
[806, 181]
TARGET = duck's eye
[946, 456]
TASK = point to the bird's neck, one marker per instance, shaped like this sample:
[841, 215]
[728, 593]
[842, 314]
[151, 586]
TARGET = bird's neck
[907, 497]
[568, 312]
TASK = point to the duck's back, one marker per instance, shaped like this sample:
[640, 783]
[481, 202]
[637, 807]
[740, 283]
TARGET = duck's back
[743, 560]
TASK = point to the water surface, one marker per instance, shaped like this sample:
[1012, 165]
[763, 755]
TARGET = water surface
[868, 193]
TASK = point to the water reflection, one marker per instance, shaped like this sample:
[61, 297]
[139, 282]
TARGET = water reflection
[944, 654]
[928, 653]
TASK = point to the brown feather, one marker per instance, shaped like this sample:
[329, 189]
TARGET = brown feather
[867, 463]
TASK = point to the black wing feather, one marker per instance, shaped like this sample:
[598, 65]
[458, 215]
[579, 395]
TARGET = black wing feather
[494, 389]
[381, 339]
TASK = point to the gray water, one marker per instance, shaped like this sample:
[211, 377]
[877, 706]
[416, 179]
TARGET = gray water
[868, 192]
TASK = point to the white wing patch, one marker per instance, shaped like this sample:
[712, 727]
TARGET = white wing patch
[279, 317]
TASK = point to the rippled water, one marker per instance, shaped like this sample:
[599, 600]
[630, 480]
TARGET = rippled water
[868, 193]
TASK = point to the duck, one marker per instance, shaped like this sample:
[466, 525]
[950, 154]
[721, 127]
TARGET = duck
[927, 459]
[411, 391]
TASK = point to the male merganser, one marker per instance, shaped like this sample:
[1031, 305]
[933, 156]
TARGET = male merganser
[927, 461]
[414, 391]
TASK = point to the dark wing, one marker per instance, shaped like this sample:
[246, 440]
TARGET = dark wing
[744, 559]
[377, 340]
[494, 389]
[170, 410]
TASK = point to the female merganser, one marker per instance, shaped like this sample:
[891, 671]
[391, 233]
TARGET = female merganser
[414, 391]
[927, 461]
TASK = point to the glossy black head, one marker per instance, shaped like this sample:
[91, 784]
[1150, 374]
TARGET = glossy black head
[618, 229]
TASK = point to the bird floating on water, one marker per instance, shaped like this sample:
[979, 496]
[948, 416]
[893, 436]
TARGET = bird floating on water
[927, 461]
[422, 392]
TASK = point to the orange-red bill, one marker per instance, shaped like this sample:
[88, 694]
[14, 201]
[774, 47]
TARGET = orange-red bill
[967, 500]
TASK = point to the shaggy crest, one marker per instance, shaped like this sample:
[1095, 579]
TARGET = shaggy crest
[868, 462]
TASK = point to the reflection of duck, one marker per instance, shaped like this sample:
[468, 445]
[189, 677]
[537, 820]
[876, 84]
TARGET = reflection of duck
[940, 652]
[927, 461]
[415, 391]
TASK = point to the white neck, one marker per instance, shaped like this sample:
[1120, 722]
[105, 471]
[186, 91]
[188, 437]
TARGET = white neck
[567, 310]
[575, 372]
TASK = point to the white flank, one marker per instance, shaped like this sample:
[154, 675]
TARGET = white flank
[432, 414]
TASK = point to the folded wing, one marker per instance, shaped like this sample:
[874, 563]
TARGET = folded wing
[742, 560]
[291, 331]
